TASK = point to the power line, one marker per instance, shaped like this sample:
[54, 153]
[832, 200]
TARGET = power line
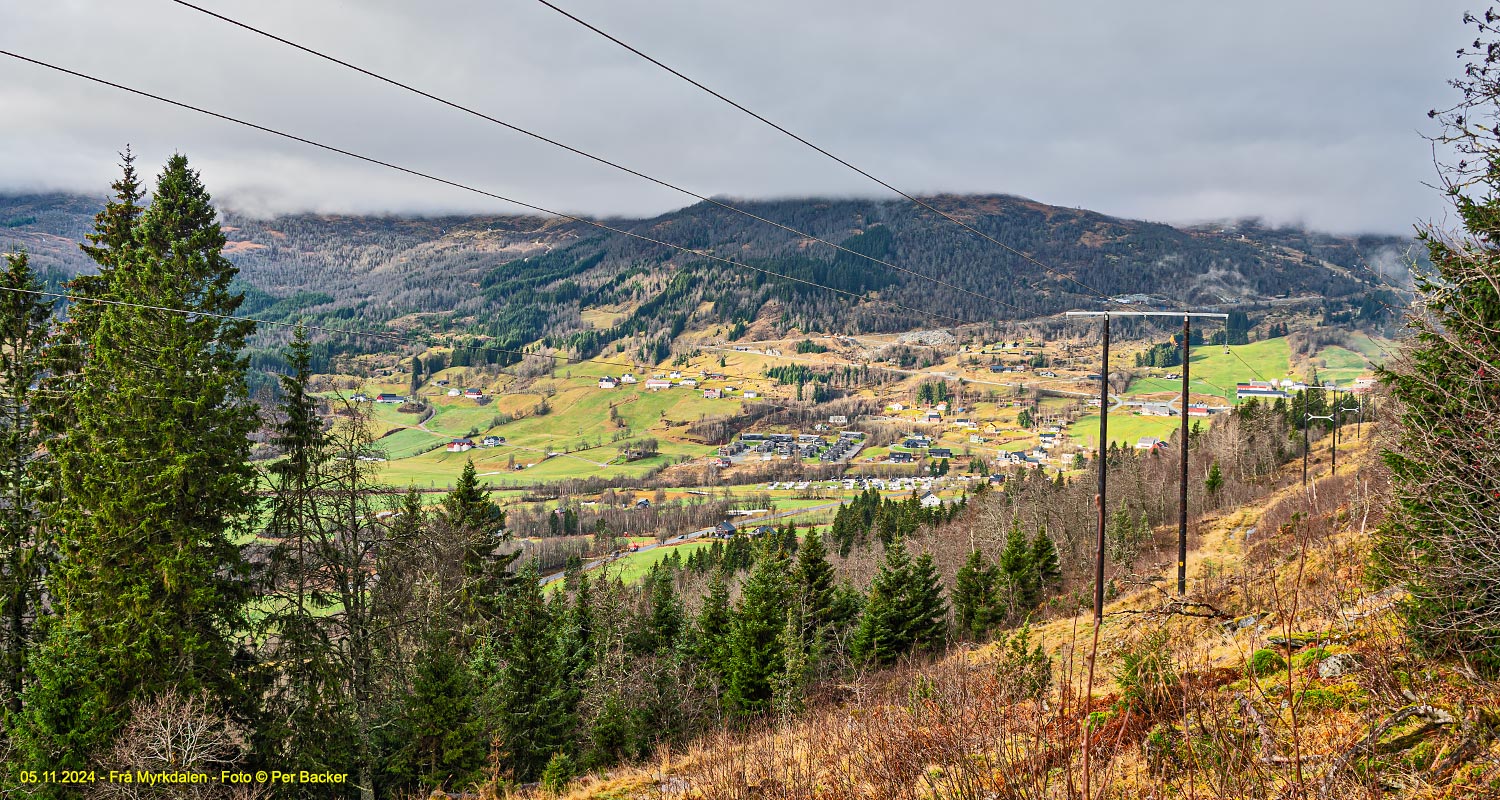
[577, 151]
[468, 188]
[826, 153]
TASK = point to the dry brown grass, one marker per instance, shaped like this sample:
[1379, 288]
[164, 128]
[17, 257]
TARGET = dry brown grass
[1397, 725]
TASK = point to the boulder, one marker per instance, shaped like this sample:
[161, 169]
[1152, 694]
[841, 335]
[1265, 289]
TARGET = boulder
[1337, 665]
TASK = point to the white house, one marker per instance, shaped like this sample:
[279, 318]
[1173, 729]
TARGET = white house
[675, 375]
[838, 419]
[460, 445]
[627, 378]
[655, 384]
[473, 394]
[608, 382]
[749, 395]
[930, 500]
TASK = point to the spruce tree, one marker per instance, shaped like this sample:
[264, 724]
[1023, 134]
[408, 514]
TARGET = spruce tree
[24, 551]
[754, 652]
[881, 635]
[660, 630]
[530, 702]
[974, 598]
[109, 246]
[1214, 481]
[439, 740]
[1044, 560]
[154, 482]
[814, 580]
[926, 610]
[305, 724]
[1017, 571]
[714, 624]
[477, 525]
[579, 637]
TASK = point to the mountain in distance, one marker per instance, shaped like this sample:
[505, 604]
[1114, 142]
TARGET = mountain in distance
[517, 280]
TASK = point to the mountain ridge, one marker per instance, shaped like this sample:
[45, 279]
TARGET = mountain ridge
[519, 280]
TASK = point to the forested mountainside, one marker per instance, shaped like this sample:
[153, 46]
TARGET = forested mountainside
[515, 280]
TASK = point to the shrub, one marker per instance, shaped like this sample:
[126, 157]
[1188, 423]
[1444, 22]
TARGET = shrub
[1146, 673]
[1309, 657]
[1025, 672]
[1265, 662]
[558, 773]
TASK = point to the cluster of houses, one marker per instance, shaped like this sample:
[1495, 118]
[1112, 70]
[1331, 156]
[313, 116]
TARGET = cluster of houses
[1286, 387]
[465, 444]
[472, 394]
[801, 445]
[383, 397]
[676, 379]
[611, 382]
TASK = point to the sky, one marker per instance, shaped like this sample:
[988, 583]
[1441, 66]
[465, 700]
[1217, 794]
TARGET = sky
[1309, 113]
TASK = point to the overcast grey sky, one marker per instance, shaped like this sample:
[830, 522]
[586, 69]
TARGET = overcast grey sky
[1173, 110]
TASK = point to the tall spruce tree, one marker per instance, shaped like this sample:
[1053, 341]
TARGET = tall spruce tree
[109, 246]
[715, 620]
[1016, 570]
[975, 603]
[305, 721]
[476, 526]
[813, 577]
[154, 481]
[1044, 561]
[926, 610]
[754, 646]
[881, 636]
[529, 700]
[24, 551]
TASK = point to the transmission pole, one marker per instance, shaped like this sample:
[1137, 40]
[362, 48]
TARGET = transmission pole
[1182, 496]
[1103, 479]
[1101, 498]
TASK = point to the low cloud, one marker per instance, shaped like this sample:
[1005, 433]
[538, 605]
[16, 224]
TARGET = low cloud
[1173, 110]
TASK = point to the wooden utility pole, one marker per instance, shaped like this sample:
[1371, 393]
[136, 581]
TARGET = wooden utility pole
[1102, 464]
[1182, 496]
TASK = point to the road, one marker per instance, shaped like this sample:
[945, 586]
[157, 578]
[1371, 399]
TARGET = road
[683, 538]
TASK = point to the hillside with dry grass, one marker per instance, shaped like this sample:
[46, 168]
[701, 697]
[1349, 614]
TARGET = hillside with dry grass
[1282, 673]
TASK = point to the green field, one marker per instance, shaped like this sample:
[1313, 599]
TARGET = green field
[1340, 365]
[633, 567]
[408, 442]
[579, 421]
[1126, 429]
[1215, 372]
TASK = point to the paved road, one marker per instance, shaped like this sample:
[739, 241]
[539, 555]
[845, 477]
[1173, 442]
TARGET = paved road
[683, 538]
